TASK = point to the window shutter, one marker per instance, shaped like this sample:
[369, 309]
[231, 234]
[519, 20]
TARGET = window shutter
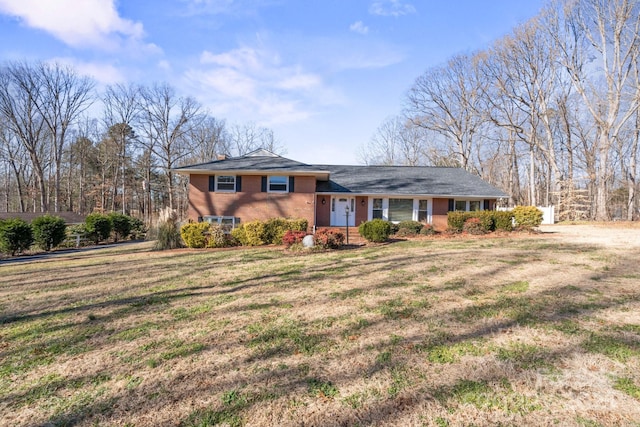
[451, 205]
[487, 205]
[238, 183]
[212, 183]
[291, 184]
[264, 184]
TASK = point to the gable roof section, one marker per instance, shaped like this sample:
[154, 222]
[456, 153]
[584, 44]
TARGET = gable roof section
[257, 162]
[406, 180]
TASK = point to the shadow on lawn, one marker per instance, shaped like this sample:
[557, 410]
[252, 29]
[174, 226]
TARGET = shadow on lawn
[544, 309]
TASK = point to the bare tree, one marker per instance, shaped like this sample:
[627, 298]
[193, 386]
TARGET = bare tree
[19, 91]
[208, 139]
[447, 100]
[606, 36]
[166, 121]
[121, 113]
[61, 97]
[247, 137]
[396, 142]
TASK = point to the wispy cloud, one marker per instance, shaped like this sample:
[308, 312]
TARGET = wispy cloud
[103, 73]
[256, 82]
[391, 8]
[359, 27]
[79, 23]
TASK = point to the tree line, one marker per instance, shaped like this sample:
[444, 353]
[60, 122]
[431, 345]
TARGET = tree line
[549, 112]
[64, 146]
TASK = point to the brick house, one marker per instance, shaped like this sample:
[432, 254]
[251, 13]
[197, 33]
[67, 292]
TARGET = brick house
[262, 185]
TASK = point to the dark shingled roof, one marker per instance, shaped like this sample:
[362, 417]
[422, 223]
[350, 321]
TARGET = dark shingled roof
[260, 160]
[406, 180]
[400, 180]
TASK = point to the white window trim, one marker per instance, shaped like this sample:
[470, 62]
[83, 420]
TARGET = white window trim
[286, 182]
[416, 207]
[467, 204]
[235, 180]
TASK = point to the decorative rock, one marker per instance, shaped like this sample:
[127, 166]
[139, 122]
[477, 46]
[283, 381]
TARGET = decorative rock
[307, 242]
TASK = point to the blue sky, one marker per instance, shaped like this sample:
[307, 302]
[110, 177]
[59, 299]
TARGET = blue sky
[323, 74]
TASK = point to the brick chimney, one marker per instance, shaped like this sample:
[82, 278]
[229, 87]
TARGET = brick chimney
[221, 157]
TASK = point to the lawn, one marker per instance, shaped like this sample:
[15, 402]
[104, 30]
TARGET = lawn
[528, 330]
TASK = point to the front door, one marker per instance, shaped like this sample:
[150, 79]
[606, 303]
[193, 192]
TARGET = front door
[341, 209]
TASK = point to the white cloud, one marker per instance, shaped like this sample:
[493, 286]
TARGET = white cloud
[79, 23]
[103, 73]
[359, 27]
[391, 8]
[255, 82]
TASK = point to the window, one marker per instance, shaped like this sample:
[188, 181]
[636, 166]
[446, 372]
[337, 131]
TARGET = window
[474, 205]
[225, 183]
[461, 205]
[227, 223]
[400, 210]
[278, 184]
[423, 206]
[377, 209]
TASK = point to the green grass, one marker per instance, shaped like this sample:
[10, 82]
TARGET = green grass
[321, 388]
[627, 386]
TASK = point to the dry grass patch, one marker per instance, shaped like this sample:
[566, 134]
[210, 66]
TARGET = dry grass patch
[514, 331]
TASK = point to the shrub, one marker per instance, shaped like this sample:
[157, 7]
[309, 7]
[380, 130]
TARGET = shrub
[49, 231]
[138, 228]
[168, 234]
[455, 221]
[121, 225]
[216, 237]
[15, 236]
[376, 230]
[293, 237]
[503, 220]
[194, 234]
[329, 239]
[249, 233]
[427, 230]
[409, 228]
[527, 216]
[487, 221]
[98, 227]
[474, 226]
[273, 231]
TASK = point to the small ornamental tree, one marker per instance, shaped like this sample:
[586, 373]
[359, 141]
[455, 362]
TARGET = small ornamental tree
[98, 227]
[15, 236]
[49, 231]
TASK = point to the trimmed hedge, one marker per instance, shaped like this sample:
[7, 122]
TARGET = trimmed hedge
[409, 228]
[503, 220]
[527, 216]
[269, 232]
[16, 235]
[194, 234]
[49, 231]
[376, 230]
[98, 227]
[121, 225]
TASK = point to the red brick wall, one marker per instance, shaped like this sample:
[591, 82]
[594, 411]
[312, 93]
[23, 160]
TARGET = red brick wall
[323, 212]
[250, 203]
[362, 209]
[440, 209]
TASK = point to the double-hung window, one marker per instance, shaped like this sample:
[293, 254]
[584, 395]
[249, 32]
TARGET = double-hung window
[225, 183]
[423, 210]
[377, 209]
[278, 184]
